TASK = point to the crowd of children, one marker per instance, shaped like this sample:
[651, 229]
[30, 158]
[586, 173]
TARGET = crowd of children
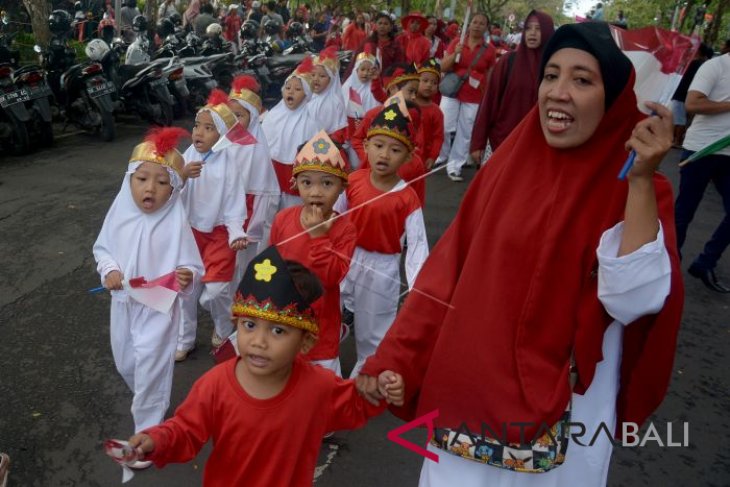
[278, 229]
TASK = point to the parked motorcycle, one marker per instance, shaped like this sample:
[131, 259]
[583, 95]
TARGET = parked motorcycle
[13, 114]
[32, 80]
[141, 88]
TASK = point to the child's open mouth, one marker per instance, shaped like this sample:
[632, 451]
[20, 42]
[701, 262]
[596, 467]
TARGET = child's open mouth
[148, 202]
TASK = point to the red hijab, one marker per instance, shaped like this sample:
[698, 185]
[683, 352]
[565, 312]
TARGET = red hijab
[510, 289]
[512, 91]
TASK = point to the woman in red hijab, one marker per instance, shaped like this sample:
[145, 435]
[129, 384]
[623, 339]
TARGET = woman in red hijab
[551, 261]
[512, 86]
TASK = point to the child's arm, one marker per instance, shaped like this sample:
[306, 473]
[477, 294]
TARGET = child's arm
[417, 245]
[234, 205]
[348, 409]
[180, 438]
[107, 267]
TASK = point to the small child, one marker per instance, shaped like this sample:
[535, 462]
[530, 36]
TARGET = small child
[215, 199]
[432, 119]
[311, 234]
[385, 212]
[327, 106]
[262, 190]
[358, 96]
[267, 410]
[146, 234]
[289, 125]
[399, 78]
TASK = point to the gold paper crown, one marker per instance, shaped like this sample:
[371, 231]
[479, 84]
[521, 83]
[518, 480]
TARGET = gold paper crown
[401, 76]
[267, 310]
[391, 132]
[146, 152]
[226, 114]
[320, 154]
[430, 66]
[249, 97]
[328, 59]
[366, 56]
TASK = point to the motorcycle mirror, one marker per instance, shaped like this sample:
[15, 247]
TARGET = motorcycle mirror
[37, 48]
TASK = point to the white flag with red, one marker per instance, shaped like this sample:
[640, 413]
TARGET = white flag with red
[354, 105]
[236, 135]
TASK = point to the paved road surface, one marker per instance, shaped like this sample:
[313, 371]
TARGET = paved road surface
[60, 395]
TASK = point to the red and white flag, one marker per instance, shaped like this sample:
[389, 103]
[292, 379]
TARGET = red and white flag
[159, 294]
[236, 135]
[660, 58]
[354, 105]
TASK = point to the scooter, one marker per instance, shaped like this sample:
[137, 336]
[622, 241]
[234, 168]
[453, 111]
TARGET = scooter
[32, 79]
[13, 114]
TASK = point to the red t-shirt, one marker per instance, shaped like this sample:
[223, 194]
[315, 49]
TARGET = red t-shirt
[381, 222]
[475, 84]
[328, 257]
[432, 130]
[353, 37]
[260, 443]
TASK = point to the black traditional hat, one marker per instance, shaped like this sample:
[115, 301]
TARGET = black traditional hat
[430, 66]
[392, 122]
[267, 291]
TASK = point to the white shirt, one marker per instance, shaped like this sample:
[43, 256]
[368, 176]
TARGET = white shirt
[712, 80]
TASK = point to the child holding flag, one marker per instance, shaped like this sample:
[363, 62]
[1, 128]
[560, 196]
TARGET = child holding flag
[267, 410]
[289, 125]
[146, 234]
[313, 235]
[385, 211]
[214, 197]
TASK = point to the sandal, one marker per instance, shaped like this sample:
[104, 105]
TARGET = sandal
[4, 469]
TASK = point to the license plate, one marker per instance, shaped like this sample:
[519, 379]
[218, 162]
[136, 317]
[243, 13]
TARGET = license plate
[101, 89]
[40, 91]
[14, 97]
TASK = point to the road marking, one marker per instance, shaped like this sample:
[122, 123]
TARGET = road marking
[70, 134]
[330, 458]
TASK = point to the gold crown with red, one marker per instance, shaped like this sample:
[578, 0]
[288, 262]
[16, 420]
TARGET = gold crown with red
[218, 103]
[160, 147]
[245, 88]
[328, 58]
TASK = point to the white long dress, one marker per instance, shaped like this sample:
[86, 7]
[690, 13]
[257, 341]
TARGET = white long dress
[629, 287]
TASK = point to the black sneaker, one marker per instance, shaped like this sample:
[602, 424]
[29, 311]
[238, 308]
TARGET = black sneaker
[708, 278]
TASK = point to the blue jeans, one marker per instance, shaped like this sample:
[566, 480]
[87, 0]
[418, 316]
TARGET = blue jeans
[694, 178]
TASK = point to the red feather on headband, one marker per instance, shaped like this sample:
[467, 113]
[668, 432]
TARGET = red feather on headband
[166, 139]
[306, 66]
[328, 53]
[217, 97]
[245, 82]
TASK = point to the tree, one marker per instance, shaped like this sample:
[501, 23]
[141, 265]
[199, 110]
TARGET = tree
[39, 10]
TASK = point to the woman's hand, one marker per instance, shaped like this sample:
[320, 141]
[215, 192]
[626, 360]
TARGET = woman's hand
[143, 443]
[113, 281]
[367, 386]
[183, 276]
[651, 139]
[392, 387]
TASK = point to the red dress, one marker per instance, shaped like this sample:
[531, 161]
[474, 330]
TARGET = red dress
[259, 442]
[328, 257]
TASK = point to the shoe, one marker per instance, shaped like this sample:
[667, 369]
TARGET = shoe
[708, 278]
[4, 469]
[141, 465]
[181, 355]
[455, 177]
[216, 340]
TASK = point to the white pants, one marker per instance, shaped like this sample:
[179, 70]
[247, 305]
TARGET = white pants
[372, 286]
[332, 364]
[459, 119]
[214, 297]
[143, 346]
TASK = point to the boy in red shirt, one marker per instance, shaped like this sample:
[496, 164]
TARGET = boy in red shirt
[269, 403]
[432, 118]
[386, 211]
[313, 235]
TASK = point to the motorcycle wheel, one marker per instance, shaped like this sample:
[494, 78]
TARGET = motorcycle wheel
[46, 134]
[108, 130]
[20, 141]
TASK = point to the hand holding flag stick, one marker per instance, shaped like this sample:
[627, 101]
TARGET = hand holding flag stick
[236, 135]
[464, 28]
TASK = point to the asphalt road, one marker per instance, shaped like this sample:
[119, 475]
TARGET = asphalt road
[60, 395]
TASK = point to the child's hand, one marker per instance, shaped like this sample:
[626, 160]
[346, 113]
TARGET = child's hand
[193, 169]
[183, 276]
[429, 163]
[312, 216]
[367, 386]
[391, 386]
[142, 442]
[113, 281]
[239, 244]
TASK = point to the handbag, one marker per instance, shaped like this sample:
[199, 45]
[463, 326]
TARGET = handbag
[538, 456]
[451, 82]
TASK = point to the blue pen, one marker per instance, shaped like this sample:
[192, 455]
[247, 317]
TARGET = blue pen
[207, 155]
[97, 290]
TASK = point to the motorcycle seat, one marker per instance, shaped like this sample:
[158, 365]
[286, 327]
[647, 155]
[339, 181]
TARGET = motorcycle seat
[290, 60]
[27, 69]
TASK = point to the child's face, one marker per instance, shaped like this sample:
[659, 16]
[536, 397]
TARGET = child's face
[243, 115]
[150, 186]
[364, 71]
[386, 154]
[410, 90]
[205, 133]
[428, 85]
[268, 349]
[293, 93]
[320, 79]
[320, 189]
